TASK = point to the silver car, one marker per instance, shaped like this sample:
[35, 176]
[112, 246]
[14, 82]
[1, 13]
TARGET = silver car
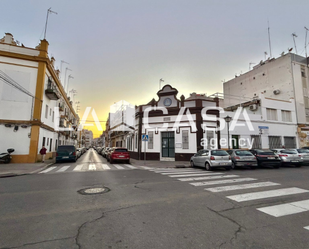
[303, 154]
[211, 159]
[242, 158]
[288, 157]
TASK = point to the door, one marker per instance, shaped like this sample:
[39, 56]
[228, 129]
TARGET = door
[168, 144]
[235, 139]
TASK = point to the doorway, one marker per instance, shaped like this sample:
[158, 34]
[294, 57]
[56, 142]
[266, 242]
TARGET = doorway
[168, 144]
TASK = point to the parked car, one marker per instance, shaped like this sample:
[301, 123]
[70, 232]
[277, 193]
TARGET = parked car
[66, 153]
[78, 152]
[304, 155]
[98, 149]
[266, 158]
[288, 157]
[104, 152]
[242, 158]
[211, 159]
[118, 154]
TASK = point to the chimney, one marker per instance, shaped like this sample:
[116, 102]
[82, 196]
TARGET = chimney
[52, 61]
[8, 38]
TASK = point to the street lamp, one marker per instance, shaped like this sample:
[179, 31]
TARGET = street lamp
[228, 119]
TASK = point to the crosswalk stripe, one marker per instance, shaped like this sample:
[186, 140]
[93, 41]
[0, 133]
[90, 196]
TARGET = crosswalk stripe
[105, 166]
[118, 166]
[267, 194]
[242, 186]
[130, 166]
[209, 176]
[228, 181]
[145, 167]
[175, 170]
[286, 209]
[47, 170]
[185, 172]
[64, 168]
[307, 227]
[203, 174]
[92, 167]
[78, 167]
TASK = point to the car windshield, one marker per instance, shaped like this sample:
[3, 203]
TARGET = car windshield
[121, 150]
[243, 153]
[219, 153]
[288, 152]
[302, 151]
[66, 148]
[266, 153]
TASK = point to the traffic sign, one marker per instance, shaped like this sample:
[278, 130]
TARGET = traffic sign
[145, 138]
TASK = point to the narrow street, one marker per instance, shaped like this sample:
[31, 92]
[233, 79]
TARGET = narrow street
[150, 208]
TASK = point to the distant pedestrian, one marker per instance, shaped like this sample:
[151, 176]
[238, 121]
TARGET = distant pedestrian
[43, 153]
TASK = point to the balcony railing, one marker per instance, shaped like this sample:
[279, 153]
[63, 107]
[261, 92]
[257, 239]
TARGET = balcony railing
[51, 91]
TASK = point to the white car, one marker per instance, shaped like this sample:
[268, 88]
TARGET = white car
[288, 157]
[303, 154]
[211, 159]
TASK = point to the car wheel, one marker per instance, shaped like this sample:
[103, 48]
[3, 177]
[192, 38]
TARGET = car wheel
[298, 165]
[128, 162]
[192, 164]
[207, 166]
[7, 160]
[228, 168]
[233, 165]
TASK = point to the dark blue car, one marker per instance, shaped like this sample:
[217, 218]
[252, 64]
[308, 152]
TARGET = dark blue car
[66, 153]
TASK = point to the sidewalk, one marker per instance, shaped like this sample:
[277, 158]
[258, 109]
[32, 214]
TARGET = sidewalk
[17, 169]
[160, 164]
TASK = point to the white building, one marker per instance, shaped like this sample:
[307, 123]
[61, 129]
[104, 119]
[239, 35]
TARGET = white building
[269, 130]
[283, 78]
[174, 126]
[88, 138]
[30, 90]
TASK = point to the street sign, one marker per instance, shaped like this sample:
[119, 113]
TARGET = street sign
[263, 127]
[145, 138]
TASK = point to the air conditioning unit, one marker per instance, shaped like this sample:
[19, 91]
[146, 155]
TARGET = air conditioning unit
[253, 107]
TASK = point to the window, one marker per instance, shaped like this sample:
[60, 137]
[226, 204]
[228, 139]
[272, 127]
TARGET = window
[286, 116]
[271, 114]
[47, 141]
[274, 142]
[150, 139]
[256, 142]
[53, 117]
[136, 141]
[290, 142]
[50, 112]
[43, 143]
[185, 139]
[46, 111]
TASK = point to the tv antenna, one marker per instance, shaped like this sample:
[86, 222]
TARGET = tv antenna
[48, 11]
[269, 40]
[294, 35]
[251, 63]
[306, 45]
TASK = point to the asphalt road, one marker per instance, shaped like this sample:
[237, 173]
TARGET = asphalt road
[152, 209]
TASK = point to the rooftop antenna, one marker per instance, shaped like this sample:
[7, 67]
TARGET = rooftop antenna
[48, 11]
[306, 45]
[269, 39]
[294, 35]
[61, 67]
[161, 80]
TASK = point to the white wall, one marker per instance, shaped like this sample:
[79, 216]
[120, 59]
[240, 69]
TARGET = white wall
[17, 140]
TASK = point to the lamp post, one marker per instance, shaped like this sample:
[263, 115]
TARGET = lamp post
[228, 120]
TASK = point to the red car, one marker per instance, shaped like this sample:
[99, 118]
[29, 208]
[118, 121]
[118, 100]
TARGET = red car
[118, 154]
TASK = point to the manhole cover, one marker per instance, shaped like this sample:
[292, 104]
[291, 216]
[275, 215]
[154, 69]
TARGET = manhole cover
[93, 191]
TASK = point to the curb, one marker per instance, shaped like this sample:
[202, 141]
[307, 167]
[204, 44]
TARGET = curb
[9, 174]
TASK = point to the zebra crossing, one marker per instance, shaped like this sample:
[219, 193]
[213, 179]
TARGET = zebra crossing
[232, 182]
[89, 167]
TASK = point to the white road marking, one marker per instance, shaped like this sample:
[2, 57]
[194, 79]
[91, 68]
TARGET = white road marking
[203, 174]
[105, 166]
[64, 168]
[130, 166]
[118, 166]
[144, 167]
[242, 186]
[92, 167]
[267, 194]
[78, 167]
[286, 209]
[227, 181]
[184, 172]
[47, 170]
[307, 227]
[205, 178]
[175, 170]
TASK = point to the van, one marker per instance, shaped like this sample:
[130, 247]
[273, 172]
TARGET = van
[66, 153]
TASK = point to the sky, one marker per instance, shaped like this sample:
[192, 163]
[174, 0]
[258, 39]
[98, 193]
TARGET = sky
[120, 49]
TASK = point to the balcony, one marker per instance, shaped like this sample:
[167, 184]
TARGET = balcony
[51, 91]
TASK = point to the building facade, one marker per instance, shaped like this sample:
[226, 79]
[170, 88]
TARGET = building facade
[31, 96]
[283, 78]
